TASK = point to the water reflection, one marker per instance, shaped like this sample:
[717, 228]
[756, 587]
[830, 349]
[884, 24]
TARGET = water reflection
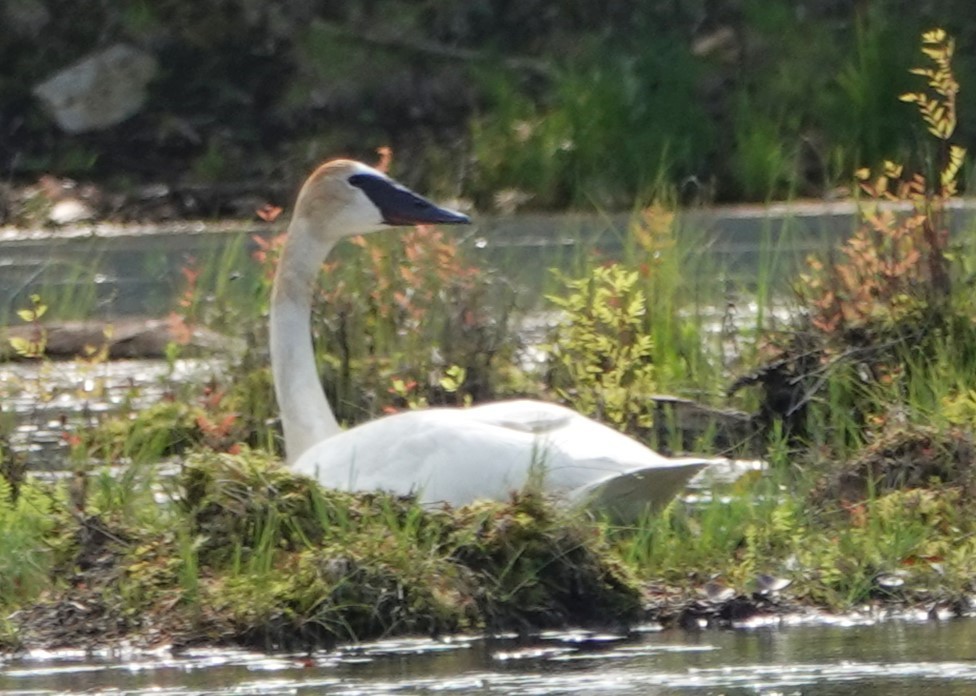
[898, 658]
[46, 400]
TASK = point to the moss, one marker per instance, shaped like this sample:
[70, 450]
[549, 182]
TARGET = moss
[319, 563]
[232, 500]
[324, 595]
[538, 565]
[253, 554]
[159, 430]
[904, 457]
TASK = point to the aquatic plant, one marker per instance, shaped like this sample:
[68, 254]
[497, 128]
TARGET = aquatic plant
[25, 560]
[881, 319]
[163, 429]
[601, 358]
[391, 311]
[869, 502]
[627, 330]
[895, 264]
[34, 346]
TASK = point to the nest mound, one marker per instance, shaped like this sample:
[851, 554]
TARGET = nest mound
[908, 457]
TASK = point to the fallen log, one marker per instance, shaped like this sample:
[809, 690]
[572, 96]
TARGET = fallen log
[126, 338]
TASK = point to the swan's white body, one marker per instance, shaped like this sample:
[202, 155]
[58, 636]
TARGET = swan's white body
[486, 452]
[445, 455]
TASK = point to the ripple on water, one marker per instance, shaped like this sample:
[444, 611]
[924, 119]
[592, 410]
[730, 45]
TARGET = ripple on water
[572, 662]
[48, 399]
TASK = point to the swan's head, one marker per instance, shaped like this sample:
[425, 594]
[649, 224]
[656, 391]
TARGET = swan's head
[354, 198]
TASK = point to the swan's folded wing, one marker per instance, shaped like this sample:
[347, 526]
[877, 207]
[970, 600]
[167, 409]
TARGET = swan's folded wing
[523, 415]
[626, 498]
[439, 455]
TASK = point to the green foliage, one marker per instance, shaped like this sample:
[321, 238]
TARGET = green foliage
[405, 318]
[765, 164]
[939, 113]
[534, 562]
[35, 346]
[805, 113]
[252, 553]
[614, 128]
[601, 359]
[232, 500]
[568, 104]
[860, 115]
[25, 559]
[887, 329]
[902, 534]
[628, 330]
[838, 556]
[66, 287]
[160, 430]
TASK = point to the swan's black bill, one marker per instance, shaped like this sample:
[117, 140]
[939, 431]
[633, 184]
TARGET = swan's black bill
[400, 206]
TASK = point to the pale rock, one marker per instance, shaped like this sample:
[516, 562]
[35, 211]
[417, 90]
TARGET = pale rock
[100, 90]
[26, 17]
[70, 211]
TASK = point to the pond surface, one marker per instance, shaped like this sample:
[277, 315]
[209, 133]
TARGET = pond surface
[40, 403]
[893, 658]
[121, 270]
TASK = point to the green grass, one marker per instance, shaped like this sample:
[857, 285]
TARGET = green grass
[25, 558]
[68, 289]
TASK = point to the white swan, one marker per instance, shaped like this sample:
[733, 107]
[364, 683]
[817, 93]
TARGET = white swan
[440, 455]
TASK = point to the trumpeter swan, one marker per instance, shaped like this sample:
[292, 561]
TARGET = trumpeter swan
[450, 455]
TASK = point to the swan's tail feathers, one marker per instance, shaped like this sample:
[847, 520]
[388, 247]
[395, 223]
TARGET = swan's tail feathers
[626, 498]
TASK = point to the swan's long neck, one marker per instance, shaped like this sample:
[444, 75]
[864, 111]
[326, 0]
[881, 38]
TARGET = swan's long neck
[305, 413]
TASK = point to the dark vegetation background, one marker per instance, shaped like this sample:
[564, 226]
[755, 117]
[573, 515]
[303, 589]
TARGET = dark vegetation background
[575, 103]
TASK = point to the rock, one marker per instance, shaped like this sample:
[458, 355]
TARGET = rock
[27, 17]
[98, 91]
[722, 44]
[70, 211]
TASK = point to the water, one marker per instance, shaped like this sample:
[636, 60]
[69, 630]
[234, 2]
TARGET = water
[126, 270]
[833, 658]
[117, 271]
[43, 402]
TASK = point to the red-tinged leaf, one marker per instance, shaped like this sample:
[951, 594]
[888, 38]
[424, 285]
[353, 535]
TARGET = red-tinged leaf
[227, 423]
[179, 332]
[386, 158]
[268, 212]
